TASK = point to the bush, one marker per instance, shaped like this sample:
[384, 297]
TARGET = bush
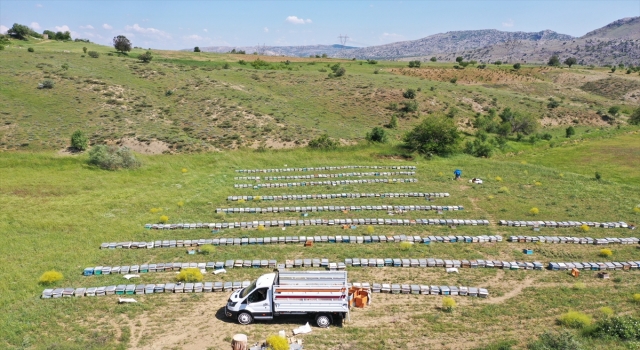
[377, 134]
[196, 49]
[324, 142]
[113, 158]
[155, 210]
[184, 170]
[605, 311]
[393, 122]
[30, 49]
[634, 119]
[605, 252]
[146, 57]
[276, 342]
[579, 286]
[636, 297]
[623, 327]
[478, 148]
[409, 106]
[416, 63]
[636, 210]
[570, 131]
[47, 84]
[433, 59]
[498, 178]
[448, 304]
[180, 204]
[517, 66]
[189, 275]
[79, 141]
[503, 190]
[437, 135]
[534, 211]
[410, 93]
[575, 319]
[261, 228]
[370, 229]
[207, 249]
[556, 341]
[50, 277]
[404, 246]
[164, 219]
[598, 176]
[84, 49]
[93, 54]
[584, 228]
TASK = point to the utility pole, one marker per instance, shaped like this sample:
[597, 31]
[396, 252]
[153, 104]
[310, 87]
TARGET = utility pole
[343, 40]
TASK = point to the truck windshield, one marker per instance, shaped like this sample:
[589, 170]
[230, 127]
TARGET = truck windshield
[248, 290]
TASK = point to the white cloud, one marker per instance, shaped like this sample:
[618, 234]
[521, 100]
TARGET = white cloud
[508, 23]
[195, 37]
[296, 20]
[64, 28]
[106, 26]
[391, 37]
[205, 30]
[266, 30]
[35, 26]
[88, 26]
[3, 29]
[147, 31]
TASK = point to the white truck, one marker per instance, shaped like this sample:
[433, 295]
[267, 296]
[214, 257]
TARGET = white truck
[321, 294]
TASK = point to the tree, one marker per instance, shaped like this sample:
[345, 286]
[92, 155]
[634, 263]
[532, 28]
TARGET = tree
[393, 122]
[634, 119]
[570, 131]
[196, 49]
[93, 54]
[410, 93]
[323, 142]
[50, 34]
[433, 59]
[459, 59]
[518, 122]
[146, 57]
[570, 61]
[414, 64]
[614, 110]
[79, 141]
[435, 135]
[377, 134]
[554, 61]
[497, 63]
[31, 49]
[324, 55]
[516, 66]
[84, 49]
[22, 32]
[63, 36]
[121, 44]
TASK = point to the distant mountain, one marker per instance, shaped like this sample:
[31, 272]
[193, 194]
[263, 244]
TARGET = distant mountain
[626, 28]
[296, 51]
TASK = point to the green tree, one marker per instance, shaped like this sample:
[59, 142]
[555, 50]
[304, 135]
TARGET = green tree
[409, 93]
[323, 142]
[519, 123]
[146, 57]
[554, 61]
[93, 54]
[497, 63]
[434, 136]
[634, 119]
[30, 49]
[22, 32]
[196, 49]
[414, 64]
[393, 122]
[377, 134]
[459, 59]
[570, 131]
[79, 141]
[122, 44]
[50, 34]
[84, 49]
[433, 59]
[570, 61]
[324, 55]
[516, 66]
[614, 110]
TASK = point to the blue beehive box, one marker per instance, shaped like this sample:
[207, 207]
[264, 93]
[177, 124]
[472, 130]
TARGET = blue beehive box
[528, 251]
[88, 271]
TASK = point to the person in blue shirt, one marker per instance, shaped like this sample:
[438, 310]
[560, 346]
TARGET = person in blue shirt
[457, 174]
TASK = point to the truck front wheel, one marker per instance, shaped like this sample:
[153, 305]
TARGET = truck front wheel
[245, 318]
[323, 321]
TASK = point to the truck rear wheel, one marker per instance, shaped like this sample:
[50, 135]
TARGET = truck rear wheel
[323, 321]
[245, 318]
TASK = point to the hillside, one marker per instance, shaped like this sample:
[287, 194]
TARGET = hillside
[297, 51]
[622, 29]
[185, 101]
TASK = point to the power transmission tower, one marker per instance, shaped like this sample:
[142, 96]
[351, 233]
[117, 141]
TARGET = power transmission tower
[343, 40]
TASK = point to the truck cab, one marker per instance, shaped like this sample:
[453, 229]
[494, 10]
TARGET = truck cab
[322, 294]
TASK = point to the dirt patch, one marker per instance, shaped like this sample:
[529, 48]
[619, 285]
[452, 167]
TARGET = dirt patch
[274, 144]
[150, 147]
[403, 157]
[612, 87]
[471, 76]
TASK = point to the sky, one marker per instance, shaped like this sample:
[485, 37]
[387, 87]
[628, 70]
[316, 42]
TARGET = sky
[185, 24]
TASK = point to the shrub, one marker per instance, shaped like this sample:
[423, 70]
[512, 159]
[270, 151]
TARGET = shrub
[404, 246]
[433, 59]
[636, 297]
[570, 131]
[409, 106]
[30, 49]
[84, 49]
[189, 275]
[1, 47]
[498, 178]
[261, 228]
[556, 341]
[503, 189]
[47, 84]
[575, 319]
[534, 211]
[370, 229]
[226, 65]
[50, 277]
[323, 142]
[79, 141]
[196, 49]
[146, 57]
[207, 249]
[164, 219]
[415, 64]
[257, 198]
[517, 66]
[437, 136]
[241, 201]
[605, 252]
[598, 176]
[93, 54]
[579, 286]
[453, 80]
[606, 311]
[180, 204]
[168, 93]
[584, 227]
[113, 158]
[276, 342]
[623, 327]
[636, 210]
[155, 210]
[184, 170]
[377, 134]
[448, 304]
[410, 93]
[634, 119]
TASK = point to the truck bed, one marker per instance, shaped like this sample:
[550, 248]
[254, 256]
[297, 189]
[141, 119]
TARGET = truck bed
[311, 291]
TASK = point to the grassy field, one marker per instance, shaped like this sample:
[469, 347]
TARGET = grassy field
[58, 210]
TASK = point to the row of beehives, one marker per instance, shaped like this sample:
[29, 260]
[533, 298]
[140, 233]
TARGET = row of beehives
[206, 287]
[397, 208]
[323, 183]
[358, 262]
[326, 176]
[284, 170]
[619, 224]
[574, 240]
[179, 243]
[288, 197]
[318, 222]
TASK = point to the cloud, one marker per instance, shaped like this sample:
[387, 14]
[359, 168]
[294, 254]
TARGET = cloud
[3, 29]
[508, 23]
[88, 26]
[391, 37]
[266, 30]
[147, 31]
[35, 26]
[194, 37]
[106, 26]
[39, 5]
[64, 28]
[296, 20]
[205, 30]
